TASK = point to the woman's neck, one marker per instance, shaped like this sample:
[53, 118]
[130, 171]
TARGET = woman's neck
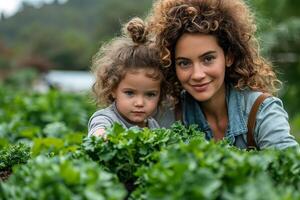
[215, 111]
[216, 105]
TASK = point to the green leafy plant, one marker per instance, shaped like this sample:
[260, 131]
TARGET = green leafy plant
[68, 143]
[125, 151]
[208, 170]
[61, 178]
[26, 115]
[59, 162]
[12, 155]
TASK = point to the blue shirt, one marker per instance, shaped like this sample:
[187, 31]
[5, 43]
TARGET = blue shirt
[271, 130]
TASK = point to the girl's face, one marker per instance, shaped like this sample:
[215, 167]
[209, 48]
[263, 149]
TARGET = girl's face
[200, 66]
[137, 96]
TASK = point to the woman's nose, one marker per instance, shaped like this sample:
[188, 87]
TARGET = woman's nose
[198, 72]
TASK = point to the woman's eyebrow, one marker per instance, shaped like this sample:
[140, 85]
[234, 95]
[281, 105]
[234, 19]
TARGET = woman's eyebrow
[181, 58]
[202, 55]
[207, 53]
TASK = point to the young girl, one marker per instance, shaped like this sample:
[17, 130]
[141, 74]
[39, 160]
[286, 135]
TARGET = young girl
[129, 78]
[213, 63]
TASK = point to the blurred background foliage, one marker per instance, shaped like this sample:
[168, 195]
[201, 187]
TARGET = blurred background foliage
[279, 33]
[65, 36]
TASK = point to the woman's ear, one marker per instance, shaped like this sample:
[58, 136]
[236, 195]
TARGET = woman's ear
[228, 60]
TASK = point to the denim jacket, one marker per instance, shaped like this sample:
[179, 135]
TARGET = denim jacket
[271, 130]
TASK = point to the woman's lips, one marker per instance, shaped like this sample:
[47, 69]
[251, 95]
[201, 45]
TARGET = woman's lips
[200, 87]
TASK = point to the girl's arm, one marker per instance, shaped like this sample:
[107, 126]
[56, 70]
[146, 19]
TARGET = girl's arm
[97, 125]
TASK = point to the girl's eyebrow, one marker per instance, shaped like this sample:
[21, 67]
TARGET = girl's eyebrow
[132, 89]
[128, 88]
[202, 55]
[153, 90]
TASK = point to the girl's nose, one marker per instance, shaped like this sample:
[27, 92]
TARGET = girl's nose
[139, 101]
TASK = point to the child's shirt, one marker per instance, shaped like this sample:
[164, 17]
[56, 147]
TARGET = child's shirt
[106, 117]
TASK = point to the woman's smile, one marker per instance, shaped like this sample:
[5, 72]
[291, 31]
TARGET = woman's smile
[200, 87]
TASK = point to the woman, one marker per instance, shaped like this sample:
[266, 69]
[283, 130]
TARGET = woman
[212, 60]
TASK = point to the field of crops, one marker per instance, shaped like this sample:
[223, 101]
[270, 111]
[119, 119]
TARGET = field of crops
[45, 154]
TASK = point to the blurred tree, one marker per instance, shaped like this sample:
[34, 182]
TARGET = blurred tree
[5, 59]
[74, 51]
[2, 17]
[114, 13]
[68, 34]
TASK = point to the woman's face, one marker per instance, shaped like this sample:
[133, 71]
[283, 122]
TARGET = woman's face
[200, 66]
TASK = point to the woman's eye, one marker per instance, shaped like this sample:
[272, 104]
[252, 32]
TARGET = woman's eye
[183, 63]
[208, 59]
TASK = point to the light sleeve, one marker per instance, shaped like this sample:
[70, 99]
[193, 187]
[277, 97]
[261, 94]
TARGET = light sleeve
[272, 128]
[98, 122]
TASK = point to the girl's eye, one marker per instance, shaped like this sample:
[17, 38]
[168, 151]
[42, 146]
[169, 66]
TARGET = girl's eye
[183, 63]
[209, 59]
[128, 93]
[151, 94]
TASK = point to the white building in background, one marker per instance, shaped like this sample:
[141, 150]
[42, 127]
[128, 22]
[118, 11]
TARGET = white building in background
[69, 81]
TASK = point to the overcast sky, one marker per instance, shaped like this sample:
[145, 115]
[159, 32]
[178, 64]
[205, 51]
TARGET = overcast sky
[9, 7]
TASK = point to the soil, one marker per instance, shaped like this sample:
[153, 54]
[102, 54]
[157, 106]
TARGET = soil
[4, 175]
[130, 186]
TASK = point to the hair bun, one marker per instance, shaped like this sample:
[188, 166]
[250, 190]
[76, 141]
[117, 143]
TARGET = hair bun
[136, 29]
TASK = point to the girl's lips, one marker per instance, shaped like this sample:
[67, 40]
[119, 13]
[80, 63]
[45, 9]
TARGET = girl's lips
[138, 112]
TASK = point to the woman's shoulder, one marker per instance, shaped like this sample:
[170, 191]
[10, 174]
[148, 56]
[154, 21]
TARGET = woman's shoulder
[247, 97]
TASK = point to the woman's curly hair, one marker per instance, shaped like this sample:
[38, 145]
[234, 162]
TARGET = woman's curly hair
[231, 22]
[131, 51]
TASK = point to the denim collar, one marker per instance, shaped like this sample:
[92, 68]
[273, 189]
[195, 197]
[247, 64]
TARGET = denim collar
[237, 124]
[192, 114]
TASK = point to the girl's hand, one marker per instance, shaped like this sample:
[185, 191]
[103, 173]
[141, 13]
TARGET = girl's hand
[100, 133]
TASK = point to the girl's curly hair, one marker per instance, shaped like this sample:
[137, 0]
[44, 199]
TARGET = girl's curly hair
[131, 51]
[231, 22]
